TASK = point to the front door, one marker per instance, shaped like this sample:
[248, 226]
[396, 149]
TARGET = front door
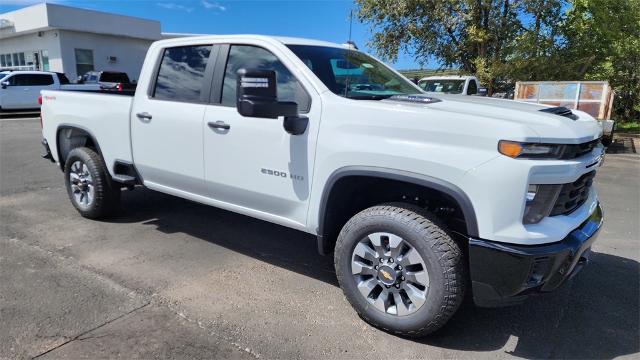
[22, 90]
[252, 164]
[166, 127]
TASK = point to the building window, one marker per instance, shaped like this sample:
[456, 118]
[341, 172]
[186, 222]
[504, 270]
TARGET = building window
[45, 60]
[84, 61]
[7, 60]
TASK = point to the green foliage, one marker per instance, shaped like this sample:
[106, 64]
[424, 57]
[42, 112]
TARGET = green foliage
[603, 43]
[503, 41]
[629, 127]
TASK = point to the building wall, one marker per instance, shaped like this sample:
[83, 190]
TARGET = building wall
[129, 52]
[82, 20]
[47, 16]
[35, 42]
[31, 18]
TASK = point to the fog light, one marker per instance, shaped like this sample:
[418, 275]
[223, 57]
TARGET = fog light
[540, 200]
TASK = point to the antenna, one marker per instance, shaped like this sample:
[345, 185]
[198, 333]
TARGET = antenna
[350, 22]
[350, 44]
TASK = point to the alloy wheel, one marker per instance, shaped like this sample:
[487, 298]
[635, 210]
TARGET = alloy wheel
[81, 183]
[390, 274]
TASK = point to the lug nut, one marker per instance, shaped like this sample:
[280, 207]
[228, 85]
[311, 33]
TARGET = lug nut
[381, 260]
[401, 278]
[376, 267]
[399, 267]
[397, 286]
[387, 286]
[390, 260]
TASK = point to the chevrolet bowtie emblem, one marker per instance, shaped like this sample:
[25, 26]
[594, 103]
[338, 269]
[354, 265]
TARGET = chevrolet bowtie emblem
[386, 275]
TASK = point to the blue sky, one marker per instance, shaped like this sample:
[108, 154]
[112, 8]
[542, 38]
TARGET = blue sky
[317, 19]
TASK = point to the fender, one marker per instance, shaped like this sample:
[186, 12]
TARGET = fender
[64, 126]
[400, 175]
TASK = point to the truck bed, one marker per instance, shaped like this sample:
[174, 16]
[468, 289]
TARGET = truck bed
[104, 115]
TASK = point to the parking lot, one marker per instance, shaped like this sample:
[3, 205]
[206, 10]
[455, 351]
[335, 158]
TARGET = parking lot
[172, 278]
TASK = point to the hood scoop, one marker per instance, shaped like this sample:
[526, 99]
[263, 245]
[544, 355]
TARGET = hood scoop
[562, 111]
[416, 99]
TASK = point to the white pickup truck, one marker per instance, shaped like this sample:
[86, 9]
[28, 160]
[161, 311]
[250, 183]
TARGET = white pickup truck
[420, 199]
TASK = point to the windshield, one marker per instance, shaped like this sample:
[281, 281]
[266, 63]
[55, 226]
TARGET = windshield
[447, 86]
[352, 74]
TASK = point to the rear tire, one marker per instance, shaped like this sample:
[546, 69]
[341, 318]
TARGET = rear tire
[89, 185]
[412, 280]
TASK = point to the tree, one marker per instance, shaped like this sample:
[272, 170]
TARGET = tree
[503, 41]
[478, 36]
[602, 42]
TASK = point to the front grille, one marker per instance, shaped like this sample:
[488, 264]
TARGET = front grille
[574, 151]
[573, 195]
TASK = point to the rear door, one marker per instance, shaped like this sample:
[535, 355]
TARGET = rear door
[166, 124]
[36, 83]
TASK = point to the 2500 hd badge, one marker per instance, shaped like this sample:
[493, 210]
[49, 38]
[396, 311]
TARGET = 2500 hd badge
[282, 174]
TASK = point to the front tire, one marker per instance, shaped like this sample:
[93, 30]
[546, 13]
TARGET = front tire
[400, 269]
[89, 185]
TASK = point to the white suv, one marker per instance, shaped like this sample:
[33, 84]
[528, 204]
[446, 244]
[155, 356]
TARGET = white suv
[21, 89]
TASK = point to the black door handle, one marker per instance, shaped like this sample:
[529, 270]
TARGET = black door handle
[144, 115]
[219, 125]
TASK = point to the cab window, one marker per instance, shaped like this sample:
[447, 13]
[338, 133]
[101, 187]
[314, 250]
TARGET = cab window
[181, 73]
[253, 57]
[40, 80]
[472, 89]
[18, 80]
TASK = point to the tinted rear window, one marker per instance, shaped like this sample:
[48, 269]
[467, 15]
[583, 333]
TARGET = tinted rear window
[114, 77]
[63, 79]
[40, 79]
[181, 73]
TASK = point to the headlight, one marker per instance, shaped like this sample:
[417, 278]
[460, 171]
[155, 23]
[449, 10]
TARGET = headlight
[540, 200]
[530, 150]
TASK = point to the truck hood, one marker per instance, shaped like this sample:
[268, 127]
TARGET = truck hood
[547, 127]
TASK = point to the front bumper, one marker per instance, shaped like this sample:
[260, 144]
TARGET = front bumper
[502, 274]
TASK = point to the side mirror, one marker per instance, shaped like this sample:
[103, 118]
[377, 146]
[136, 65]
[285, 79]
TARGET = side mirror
[4, 84]
[482, 91]
[256, 95]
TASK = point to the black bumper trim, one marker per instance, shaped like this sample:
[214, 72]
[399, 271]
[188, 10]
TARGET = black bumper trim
[502, 274]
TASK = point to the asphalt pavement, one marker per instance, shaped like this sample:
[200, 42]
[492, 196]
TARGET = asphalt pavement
[169, 278]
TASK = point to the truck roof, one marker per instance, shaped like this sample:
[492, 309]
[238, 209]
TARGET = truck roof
[29, 72]
[282, 39]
